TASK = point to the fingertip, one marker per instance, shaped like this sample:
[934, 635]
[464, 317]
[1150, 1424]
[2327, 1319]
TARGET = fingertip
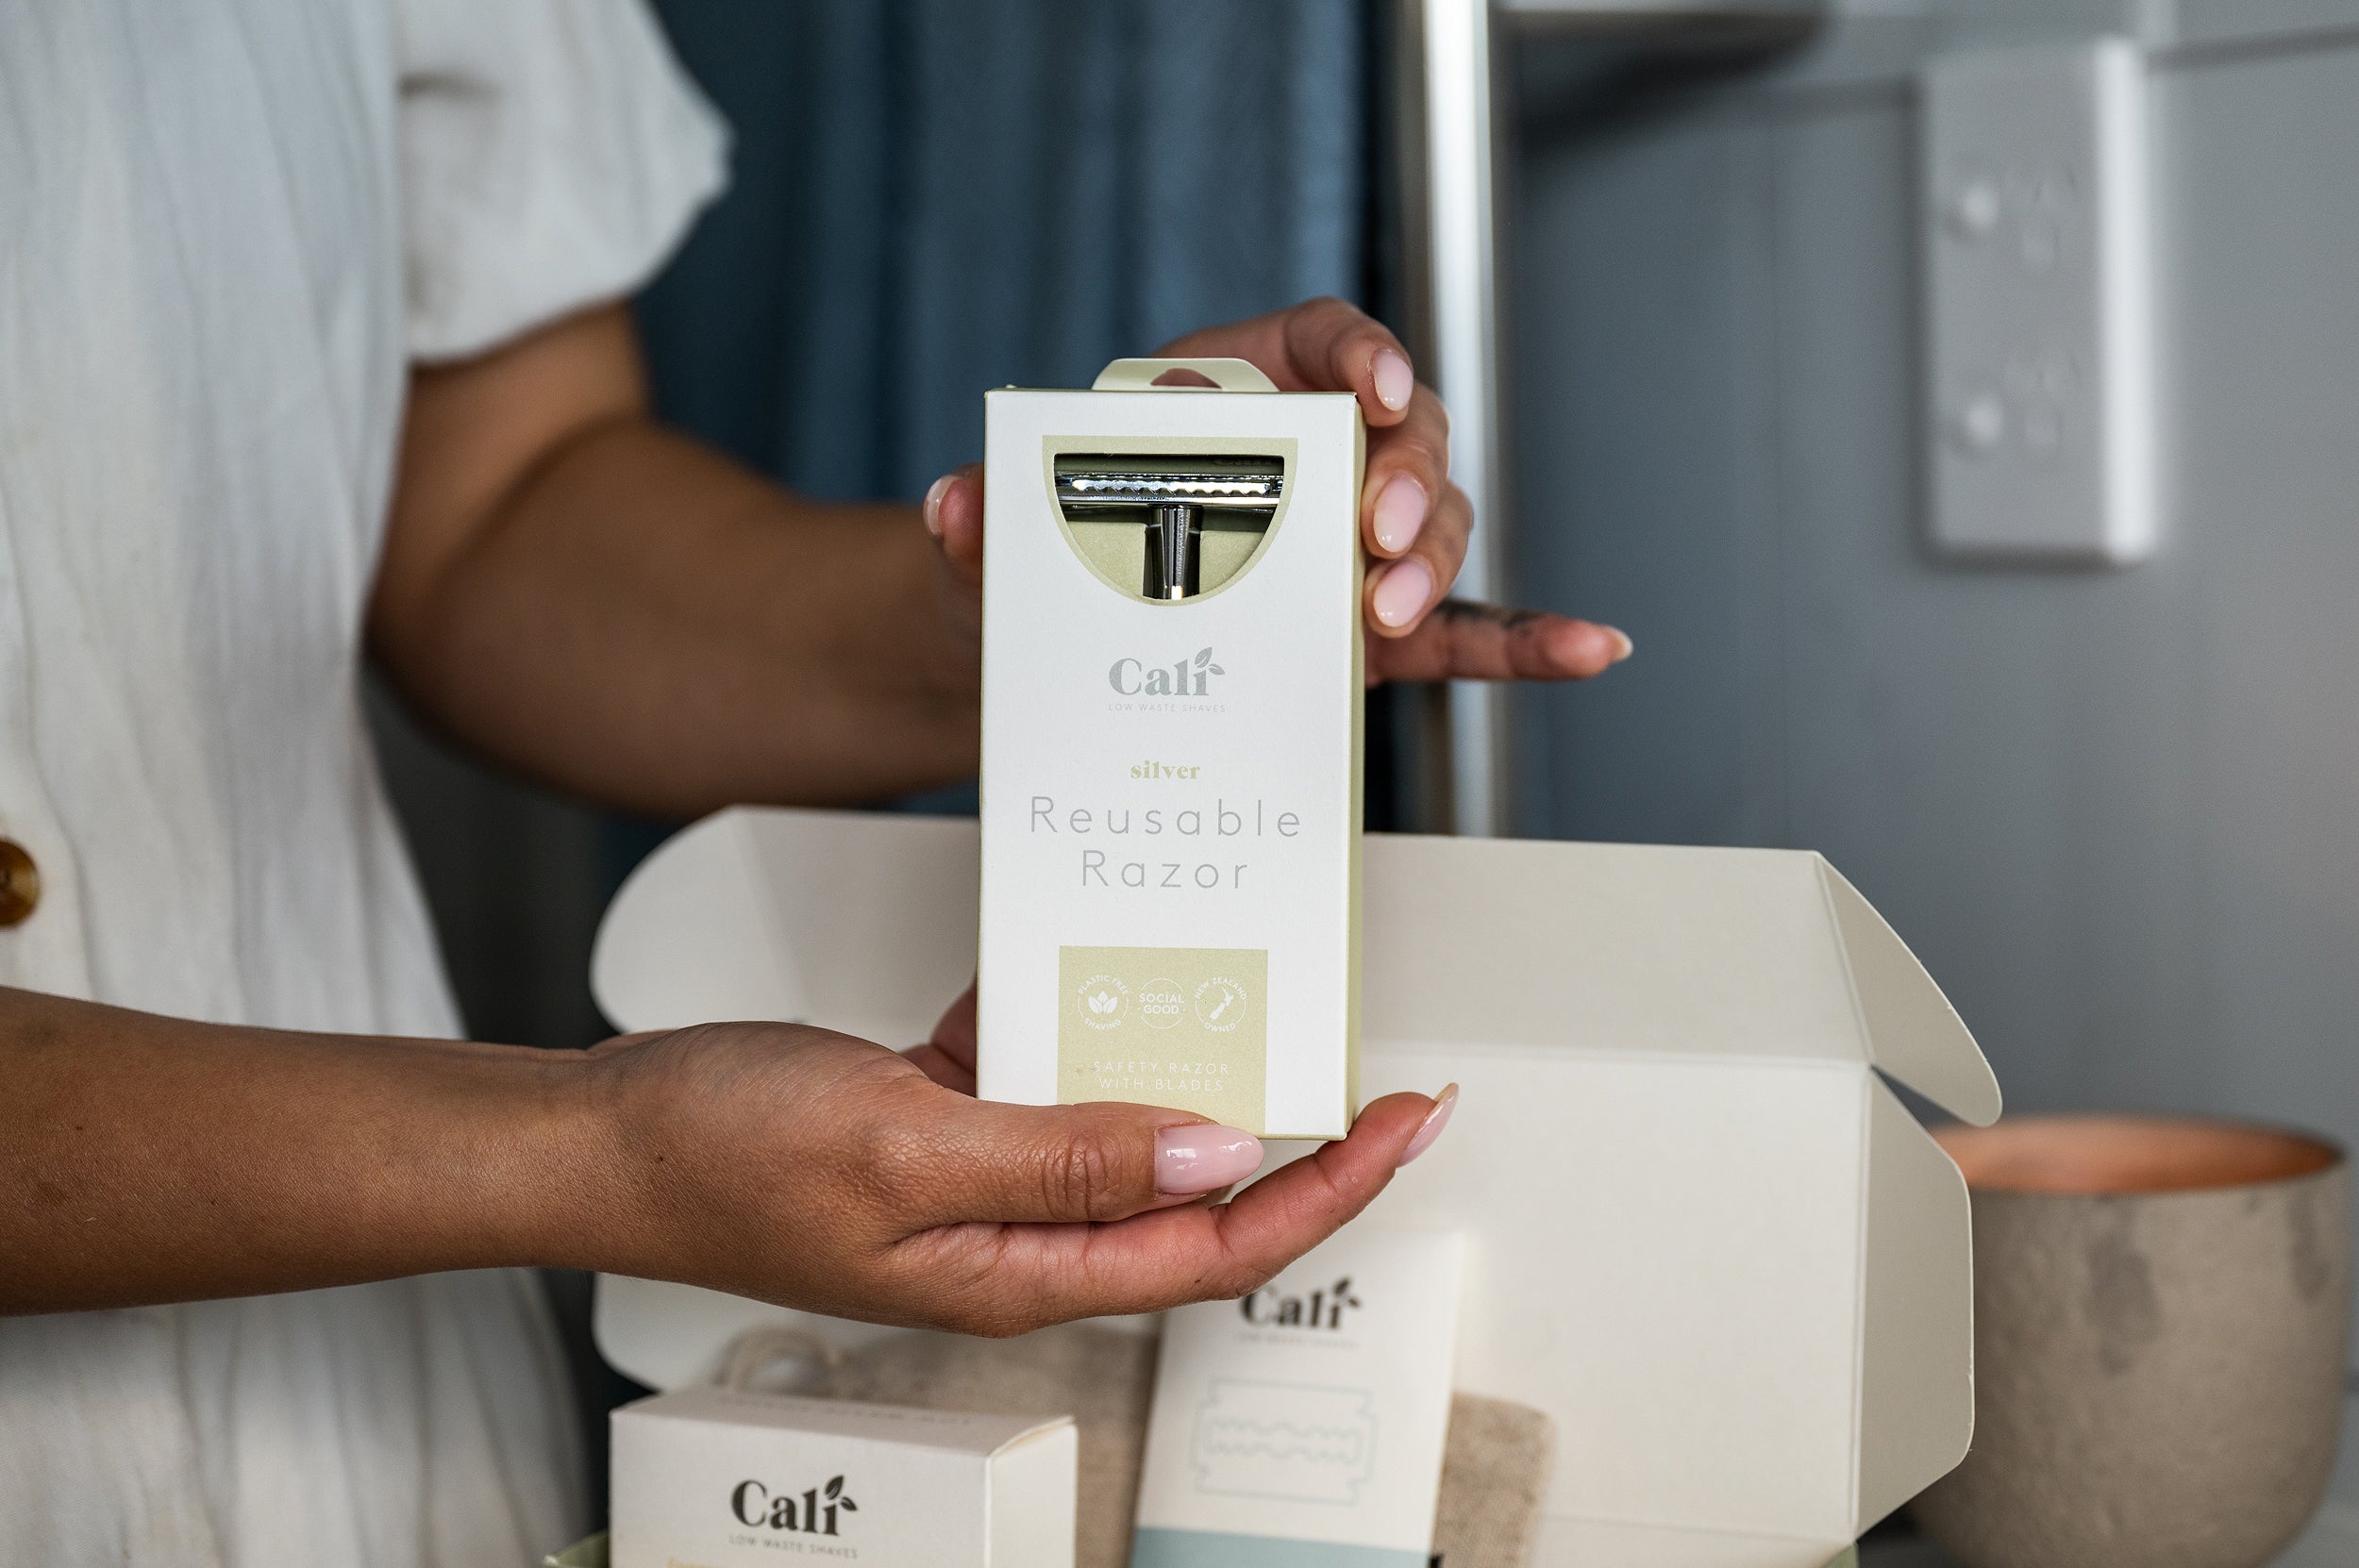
[1401, 595]
[1430, 1127]
[1192, 1159]
[961, 513]
[1583, 648]
[1410, 1108]
[930, 509]
[1398, 514]
[1394, 382]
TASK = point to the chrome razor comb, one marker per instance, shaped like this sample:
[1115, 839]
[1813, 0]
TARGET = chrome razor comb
[1169, 499]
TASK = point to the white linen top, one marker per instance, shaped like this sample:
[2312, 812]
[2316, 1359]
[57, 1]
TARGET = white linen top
[226, 226]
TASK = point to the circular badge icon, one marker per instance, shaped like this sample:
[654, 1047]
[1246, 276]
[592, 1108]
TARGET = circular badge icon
[1220, 1004]
[1161, 1003]
[1104, 1002]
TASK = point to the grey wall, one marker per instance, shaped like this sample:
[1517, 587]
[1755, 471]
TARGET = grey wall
[2115, 813]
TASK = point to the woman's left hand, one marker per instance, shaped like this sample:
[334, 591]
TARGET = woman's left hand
[1413, 520]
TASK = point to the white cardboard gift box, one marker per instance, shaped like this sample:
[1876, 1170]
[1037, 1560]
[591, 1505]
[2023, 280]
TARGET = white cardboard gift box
[1703, 1232]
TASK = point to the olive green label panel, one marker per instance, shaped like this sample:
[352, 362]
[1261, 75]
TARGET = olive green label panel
[1178, 1026]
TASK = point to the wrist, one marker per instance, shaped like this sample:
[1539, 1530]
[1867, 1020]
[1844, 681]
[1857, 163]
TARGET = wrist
[551, 1179]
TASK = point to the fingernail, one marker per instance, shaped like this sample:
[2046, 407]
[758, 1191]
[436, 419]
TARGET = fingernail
[1202, 1159]
[1400, 509]
[933, 503]
[1403, 593]
[1395, 381]
[1623, 647]
[1430, 1129]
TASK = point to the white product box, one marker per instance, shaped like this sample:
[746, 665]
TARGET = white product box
[720, 1478]
[1172, 693]
[1701, 1232]
[1311, 1413]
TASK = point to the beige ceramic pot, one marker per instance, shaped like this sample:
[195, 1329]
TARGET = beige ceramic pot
[2161, 1310]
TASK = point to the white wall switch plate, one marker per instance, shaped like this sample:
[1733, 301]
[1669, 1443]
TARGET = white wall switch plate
[2039, 396]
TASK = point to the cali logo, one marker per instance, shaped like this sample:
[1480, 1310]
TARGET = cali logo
[1189, 677]
[813, 1513]
[1270, 1308]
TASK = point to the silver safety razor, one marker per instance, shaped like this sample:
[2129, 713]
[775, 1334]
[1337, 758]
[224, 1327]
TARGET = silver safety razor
[1172, 499]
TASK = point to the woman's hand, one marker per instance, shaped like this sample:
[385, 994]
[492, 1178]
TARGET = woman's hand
[147, 1158]
[817, 1171]
[1413, 521]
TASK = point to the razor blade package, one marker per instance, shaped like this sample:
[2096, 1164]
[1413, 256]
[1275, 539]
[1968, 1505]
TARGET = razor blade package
[1305, 1422]
[1171, 759]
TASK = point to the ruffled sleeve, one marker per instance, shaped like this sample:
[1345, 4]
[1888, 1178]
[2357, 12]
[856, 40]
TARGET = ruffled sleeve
[553, 153]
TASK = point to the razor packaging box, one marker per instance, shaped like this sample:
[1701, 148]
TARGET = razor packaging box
[1304, 1423]
[720, 1478]
[1171, 754]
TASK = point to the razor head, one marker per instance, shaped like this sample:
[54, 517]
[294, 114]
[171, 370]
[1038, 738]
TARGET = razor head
[1173, 500]
[1246, 484]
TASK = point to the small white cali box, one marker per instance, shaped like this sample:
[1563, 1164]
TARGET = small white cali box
[1309, 1417]
[721, 1478]
[1172, 693]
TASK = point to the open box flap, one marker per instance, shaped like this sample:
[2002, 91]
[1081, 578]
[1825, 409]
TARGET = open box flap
[1585, 946]
[1643, 947]
[1911, 1030]
[687, 940]
[1915, 1393]
[853, 921]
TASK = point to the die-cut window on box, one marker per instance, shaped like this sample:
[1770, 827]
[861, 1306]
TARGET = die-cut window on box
[1169, 521]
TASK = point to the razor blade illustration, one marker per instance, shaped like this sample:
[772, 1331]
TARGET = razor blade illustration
[1283, 1439]
[1174, 500]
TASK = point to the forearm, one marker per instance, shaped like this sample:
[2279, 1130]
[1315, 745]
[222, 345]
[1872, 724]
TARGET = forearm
[611, 608]
[147, 1158]
[650, 625]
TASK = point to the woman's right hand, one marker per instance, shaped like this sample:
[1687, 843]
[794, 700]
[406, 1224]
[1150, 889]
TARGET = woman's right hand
[817, 1171]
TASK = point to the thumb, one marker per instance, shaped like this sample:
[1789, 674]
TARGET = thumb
[1060, 1164]
[953, 510]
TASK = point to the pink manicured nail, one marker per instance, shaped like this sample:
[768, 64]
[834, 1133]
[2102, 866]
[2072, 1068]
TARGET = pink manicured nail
[1395, 381]
[1204, 1158]
[933, 503]
[1430, 1129]
[1400, 507]
[1403, 593]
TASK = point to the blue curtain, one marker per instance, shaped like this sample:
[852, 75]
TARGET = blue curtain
[932, 197]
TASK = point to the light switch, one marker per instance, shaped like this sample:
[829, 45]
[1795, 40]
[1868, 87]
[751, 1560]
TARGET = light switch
[2039, 396]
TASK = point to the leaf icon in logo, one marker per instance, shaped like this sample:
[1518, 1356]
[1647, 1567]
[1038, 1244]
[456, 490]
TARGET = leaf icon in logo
[1102, 1002]
[1218, 670]
[835, 1488]
[1203, 657]
[848, 1505]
